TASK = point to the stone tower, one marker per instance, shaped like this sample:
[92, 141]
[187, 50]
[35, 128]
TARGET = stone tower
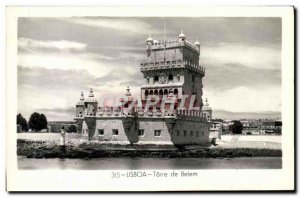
[80, 106]
[80, 112]
[172, 67]
[91, 104]
[206, 109]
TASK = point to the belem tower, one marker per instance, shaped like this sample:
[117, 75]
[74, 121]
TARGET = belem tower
[171, 72]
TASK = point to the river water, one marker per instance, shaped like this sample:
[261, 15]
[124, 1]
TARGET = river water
[150, 163]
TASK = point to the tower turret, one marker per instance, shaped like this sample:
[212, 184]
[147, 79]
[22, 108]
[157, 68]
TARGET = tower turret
[149, 40]
[181, 37]
[149, 45]
[80, 113]
[130, 99]
[128, 93]
[91, 104]
[207, 110]
[80, 106]
[197, 44]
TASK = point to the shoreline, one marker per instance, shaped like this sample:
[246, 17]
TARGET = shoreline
[43, 149]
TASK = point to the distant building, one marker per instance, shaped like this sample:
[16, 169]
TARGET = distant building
[251, 127]
[207, 110]
[261, 127]
[271, 127]
[226, 127]
[216, 130]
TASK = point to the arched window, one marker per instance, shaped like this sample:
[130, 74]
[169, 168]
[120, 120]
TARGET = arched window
[175, 91]
[156, 79]
[146, 93]
[155, 92]
[170, 77]
[165, 92]
[161, 92]
[151, 92]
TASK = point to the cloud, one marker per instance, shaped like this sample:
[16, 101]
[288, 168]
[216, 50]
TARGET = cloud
[44, 79]
[55, 88]
[58, 114]
[133, 26]
[245, 99]
[64, 61]
[228, 76]
[214, 30]
[255, 56]
[27, 43]
[132, 56]
[67, 55]
[63, 55]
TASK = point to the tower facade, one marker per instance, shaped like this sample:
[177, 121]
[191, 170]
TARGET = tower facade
[172, 68]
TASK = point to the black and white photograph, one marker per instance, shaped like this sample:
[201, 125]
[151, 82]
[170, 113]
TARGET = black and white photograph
[152, 97]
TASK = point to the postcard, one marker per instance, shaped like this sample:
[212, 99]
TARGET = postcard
[150, 98]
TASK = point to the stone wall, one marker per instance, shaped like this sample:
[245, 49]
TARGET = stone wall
[196, 132]
[159, 54]
[149, 126]
[142, 131]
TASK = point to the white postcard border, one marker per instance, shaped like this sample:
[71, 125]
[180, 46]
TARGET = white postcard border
[100, 180]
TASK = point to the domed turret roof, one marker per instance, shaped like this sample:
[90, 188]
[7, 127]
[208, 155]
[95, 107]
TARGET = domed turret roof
[181, 35]
[197, 43]
[91, 97]
[81, 101]
[206, 106]
[149, 39]
[128, 93]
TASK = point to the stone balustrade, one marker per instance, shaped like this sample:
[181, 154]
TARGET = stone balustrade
[168, 63]
[141, 112]
[172, 43]
[172, 64]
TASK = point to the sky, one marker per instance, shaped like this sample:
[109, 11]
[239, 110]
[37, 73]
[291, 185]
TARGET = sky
[60, 57]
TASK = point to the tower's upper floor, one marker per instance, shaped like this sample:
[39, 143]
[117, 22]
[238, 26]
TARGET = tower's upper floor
[172, 54]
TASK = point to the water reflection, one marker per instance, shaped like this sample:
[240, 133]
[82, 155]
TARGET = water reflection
[151, 163]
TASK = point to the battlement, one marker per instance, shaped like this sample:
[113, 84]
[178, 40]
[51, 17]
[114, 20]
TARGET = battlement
[139, 112]
[173, 44]
[146, 66]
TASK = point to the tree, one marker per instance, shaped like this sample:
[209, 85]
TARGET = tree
[72, 129]
[37, 121]
[43, 121]
[237, 127]
[22, 122]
